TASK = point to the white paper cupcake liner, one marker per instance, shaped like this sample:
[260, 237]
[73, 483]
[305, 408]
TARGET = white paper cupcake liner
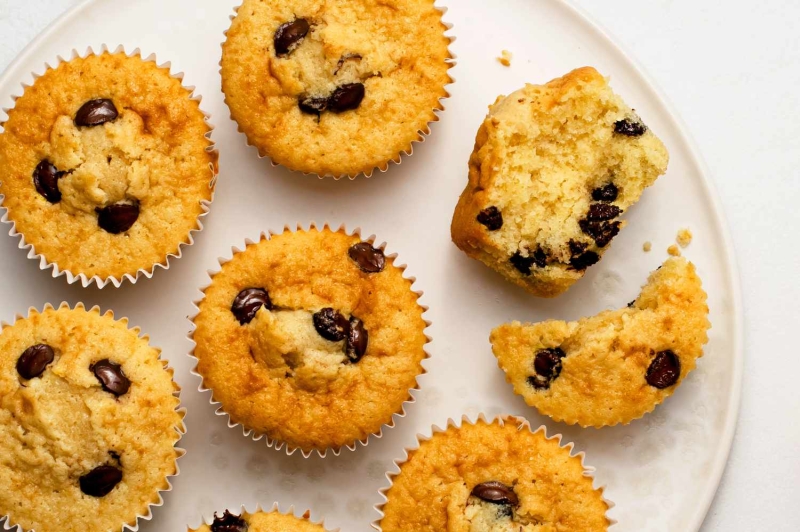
[522, 423]
[6, 520]
[306, 515]
[205, 205]
[276, 444]
[422, 134]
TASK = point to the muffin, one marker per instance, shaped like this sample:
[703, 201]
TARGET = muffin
[616, 366]
[88, 422]
[493, 477]
[554, 167]
[311, 338]
[335, 88]
[107, 166]
[259, 521]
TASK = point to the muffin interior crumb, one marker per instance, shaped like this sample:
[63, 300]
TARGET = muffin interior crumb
[674, 250]
[684, 237]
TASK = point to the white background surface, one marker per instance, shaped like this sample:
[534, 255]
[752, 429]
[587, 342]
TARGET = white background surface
[732, 70]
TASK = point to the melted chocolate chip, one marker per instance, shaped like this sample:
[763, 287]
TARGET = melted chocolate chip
[100, 481]
[343, 59]
[289, 35]
[491, 217]
[311, 105]
[495, 492]
[601, 232]
[34, 361]
[347, 97]
[583, 261]
[524, 264]
[96, 113]
[248, 302]
[547, 365]
[357, 340]
[607, 193]
[228, 523]
[630, 128]
[117, 218]
[600, 212]
[111, 377]
[45, 179]
[369, 259]
[331, 325]
[576, 248]
[664, 370]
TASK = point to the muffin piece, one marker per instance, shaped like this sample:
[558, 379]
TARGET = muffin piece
[259, 521]
[312, 338]
[553, 169]
[106, 165]
[493, 477]
[616, 366]
[88, 422]
[335, 88]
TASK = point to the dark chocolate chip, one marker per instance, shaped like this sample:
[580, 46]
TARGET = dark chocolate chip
[631, 304]
[347, 97]
[491, 217]
[606, 193]
[111, 376]
[311, 105]
[601, 232]
[331, 325]
[576, 248]
[228, 523]
[368, 258]
[45, 179]
[630, 127]
[547, 365]
[248, 302]
[495, 492]
[524, 264]
[600, 212]
[117, 218]
[289, 35]
[96, 113]
[664, 370]
[34, 361]
[101, 480]
[343, 59]
[357, 340]
[581, 262]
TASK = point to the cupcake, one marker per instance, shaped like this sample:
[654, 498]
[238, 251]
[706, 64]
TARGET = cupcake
[261, 521]
[616, 366]
[107, 167]
[88, 422]
[335, 88]
[310, 338]
[493, 477]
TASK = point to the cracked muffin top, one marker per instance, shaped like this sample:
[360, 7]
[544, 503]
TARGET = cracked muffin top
[616, 366]
[493, 477]
[273, 521]
[312, 338]
[88, 422]
[105, 165]
[335, 87]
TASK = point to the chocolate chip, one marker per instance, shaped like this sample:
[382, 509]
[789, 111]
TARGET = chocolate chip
[581, 262]
[343, 59]
[347, 97]
[331, 325]
[45, 179]
[601, 232]
[228, 523]
[96, 113]
[111, 377]
[664, 370]
[607, 193]
[357, 340]
[34, 361]
[600, 212]
[547, 365]
[248, 302]
[576, 248]
[117, 218]
[311, 105]
[289, 35]
[524, 264]
[491, 217]
[495, 492]
[630, 127]
[101, 480]
[369, 259]
[631, 304]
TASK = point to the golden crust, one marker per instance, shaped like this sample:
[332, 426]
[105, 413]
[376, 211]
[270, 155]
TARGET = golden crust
[432, 490]
[602, 381]
[276, 375]
[403, 64]
[272, 522]
[61, 425]
[155, 153]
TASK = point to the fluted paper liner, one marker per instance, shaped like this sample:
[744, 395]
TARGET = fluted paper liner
[276, 444]
[133, 525]
[306, 515]
[205, 205]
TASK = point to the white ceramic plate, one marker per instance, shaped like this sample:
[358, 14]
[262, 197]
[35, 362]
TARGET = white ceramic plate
[662, 471]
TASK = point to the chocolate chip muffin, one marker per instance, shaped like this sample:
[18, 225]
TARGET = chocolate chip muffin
[616, 366]
[312, 338]
[335, 88]
[88, 422]
[554, 168]
[106, 166]
[259, 521]
[493, 477]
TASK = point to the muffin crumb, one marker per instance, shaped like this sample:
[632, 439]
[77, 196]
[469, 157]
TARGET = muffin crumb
[684, 237]
[674, 250]
[647, 246]
[505, 58]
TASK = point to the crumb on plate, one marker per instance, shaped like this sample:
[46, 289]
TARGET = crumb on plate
[505, 58]
[684, 237]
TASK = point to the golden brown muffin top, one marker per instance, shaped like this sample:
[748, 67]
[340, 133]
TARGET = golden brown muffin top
[273, 521]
